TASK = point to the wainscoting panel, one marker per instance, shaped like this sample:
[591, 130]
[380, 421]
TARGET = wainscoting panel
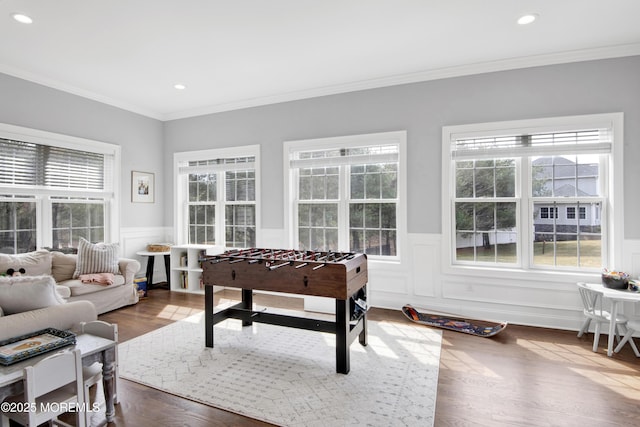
[525, 294]
[425, 263]
[136, 239]
[419, 279]
[388, 283]
[631, 265]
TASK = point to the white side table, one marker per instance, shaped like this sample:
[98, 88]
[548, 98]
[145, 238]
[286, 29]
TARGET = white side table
[151, 256]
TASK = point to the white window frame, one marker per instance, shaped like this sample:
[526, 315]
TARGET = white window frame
[613, 229]
[43, 196]
[180, 190]
[351, 141]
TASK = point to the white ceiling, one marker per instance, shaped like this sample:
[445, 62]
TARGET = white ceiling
[237, 53]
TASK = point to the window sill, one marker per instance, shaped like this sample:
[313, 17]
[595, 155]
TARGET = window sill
[531, 275]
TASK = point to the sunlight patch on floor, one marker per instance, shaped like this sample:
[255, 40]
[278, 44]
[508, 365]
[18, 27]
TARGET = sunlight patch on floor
[461, 361]
[618, 382]
[176, 312]
[572, 354]
[378, 345]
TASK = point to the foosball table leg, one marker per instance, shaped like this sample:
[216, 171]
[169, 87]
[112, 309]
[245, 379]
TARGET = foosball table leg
[247, 304]
[208, 316]
[342, 336]
[362, 337]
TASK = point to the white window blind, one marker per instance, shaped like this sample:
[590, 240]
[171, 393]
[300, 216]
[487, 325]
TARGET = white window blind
[44, 166]
[345, 156]
[217, 165]
[592, 141]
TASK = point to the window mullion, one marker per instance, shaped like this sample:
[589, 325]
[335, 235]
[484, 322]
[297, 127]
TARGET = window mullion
[344, 204]
[524, 206]
[221, 198]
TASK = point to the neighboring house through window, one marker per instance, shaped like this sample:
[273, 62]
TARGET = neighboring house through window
[347, 193]
[217, 196]
[534, 194]
[55, 189]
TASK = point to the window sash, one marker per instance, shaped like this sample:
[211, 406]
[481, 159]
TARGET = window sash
[342, 235]
[229, 185]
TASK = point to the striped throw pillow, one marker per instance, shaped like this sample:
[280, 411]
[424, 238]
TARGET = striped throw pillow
[97, 258]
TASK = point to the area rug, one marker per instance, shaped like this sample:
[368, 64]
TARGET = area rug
[288, 376]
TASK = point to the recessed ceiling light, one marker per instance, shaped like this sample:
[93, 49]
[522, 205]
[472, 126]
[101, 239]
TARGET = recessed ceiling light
[22, 18]
[527, 19]
[179, 86]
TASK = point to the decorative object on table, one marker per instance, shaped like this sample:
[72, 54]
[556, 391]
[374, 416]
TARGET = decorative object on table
[615, 279]
[634, 285]
[23, 347]
[479, 329]
[142, 187]
[159, 247]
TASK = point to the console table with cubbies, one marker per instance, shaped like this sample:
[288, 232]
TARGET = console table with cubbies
[186, 271]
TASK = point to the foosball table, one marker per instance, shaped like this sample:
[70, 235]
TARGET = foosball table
[338, 275]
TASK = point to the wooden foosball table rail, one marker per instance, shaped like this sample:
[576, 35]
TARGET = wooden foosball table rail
[342, 276]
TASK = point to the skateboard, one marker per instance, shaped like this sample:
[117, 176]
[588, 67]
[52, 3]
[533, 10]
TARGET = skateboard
[485, 330]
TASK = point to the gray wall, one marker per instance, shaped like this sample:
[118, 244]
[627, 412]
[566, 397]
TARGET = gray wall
[27, 104]
[422, 109]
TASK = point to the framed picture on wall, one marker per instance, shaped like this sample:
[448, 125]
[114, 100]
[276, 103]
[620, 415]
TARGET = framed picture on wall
[142, 187]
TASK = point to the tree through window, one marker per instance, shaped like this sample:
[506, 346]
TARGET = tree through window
[532, 199]
[346, 193]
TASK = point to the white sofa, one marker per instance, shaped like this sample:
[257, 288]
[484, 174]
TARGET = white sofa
[105, 298]
[64, 317]
[62, 266]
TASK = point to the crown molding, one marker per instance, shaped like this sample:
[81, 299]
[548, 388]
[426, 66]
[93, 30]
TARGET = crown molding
[427, 75]
[400, 79]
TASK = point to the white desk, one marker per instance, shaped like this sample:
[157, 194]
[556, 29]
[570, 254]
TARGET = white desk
[92, 348]
[615, 296]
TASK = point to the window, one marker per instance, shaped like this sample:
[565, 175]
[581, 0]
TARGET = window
[346, 193]
[547, 212]
[571, 212]
[218, 197]
[18, 230]
[55, 189]
[511, 180]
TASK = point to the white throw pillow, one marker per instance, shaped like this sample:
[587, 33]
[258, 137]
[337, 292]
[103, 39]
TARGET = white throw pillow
[63, 266]
[36, 263]
[25, 293]
[97, 258]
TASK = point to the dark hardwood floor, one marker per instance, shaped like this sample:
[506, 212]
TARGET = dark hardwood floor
[523, 377]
